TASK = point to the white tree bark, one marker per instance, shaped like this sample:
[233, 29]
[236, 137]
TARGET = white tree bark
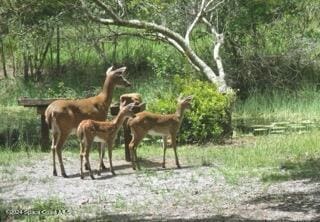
[216, 53]
[182, 44]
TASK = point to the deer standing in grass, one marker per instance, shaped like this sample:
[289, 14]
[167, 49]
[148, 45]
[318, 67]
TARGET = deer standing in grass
[105, 131]
[64, 116]
[155, 124]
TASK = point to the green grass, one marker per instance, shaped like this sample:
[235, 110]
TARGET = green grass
[52, 209]
[303, 104]
[270, 158]
[11, 158]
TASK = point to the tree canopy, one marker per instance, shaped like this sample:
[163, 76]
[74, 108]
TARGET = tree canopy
[244, 44]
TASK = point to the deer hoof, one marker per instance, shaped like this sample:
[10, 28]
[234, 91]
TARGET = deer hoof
[113, 173]
[64, 175]
[55, 173]
[92, 177]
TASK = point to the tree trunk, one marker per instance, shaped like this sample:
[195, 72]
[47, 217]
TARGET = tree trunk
[13, 57]
[114, 53]
[3, 58]
[25, 66]
[58, 51]
[43, 55]
[31, 67]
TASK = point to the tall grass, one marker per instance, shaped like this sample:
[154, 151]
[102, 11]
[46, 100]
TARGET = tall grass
[303, 104]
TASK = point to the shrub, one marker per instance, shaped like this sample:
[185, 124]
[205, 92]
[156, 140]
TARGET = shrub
[210, 117]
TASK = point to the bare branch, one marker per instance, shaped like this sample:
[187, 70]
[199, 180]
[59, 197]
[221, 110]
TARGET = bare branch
[212, 28]
[213, 8]
[120, 3]
[167, 35]
[195, 21]
[105, 7]
[216, 50]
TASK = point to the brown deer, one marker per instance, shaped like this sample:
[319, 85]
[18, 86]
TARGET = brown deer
[130, 98]
[64, 116]
[156, 124]
[105, 131]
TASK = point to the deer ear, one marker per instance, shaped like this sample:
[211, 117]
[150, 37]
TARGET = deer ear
[179, 98]
[189, 98]
[109, 70]
[121, 70]
[123, 103]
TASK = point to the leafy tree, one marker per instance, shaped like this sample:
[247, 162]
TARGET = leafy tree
[116, 13]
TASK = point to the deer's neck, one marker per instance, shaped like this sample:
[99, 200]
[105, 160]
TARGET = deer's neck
[180, 113]
[118, 120]
[107, 91]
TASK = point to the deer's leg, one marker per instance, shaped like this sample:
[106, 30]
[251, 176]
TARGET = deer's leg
[81, 166]
[110, 157]
[133, 161]
[174, 145]
[136, 158]
[61, 140]
[81, 159]
[88, 162]
[86, 165]
[53, 148]
[101, 155]
[133, 148]
[164, 144]
[133, 158]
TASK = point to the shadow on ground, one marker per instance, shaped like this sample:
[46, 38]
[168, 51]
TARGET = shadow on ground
[304, 202]
[126, 169]
[296, 170]
[128, 217]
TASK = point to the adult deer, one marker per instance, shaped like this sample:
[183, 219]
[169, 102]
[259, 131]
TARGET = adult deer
[105, 131]
[64, 116]
[155, 124]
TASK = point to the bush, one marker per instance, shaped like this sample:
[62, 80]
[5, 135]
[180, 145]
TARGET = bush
[210, 117]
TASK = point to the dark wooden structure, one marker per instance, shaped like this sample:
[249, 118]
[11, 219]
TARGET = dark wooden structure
[42, 104]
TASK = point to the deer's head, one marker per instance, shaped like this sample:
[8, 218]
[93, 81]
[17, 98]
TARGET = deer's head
[126, 110]
[185, 102]
[117, 77]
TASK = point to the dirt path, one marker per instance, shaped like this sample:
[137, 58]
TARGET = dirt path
[191, 193]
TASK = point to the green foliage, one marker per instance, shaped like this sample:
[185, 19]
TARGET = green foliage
[61, 91]
[18, 126]
[209, 118]
[50, 204]
[280, 105]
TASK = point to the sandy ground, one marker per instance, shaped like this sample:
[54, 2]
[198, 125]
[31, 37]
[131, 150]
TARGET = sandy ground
[191, 193]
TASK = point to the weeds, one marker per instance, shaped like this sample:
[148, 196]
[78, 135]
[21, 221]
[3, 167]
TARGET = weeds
[120, 203]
